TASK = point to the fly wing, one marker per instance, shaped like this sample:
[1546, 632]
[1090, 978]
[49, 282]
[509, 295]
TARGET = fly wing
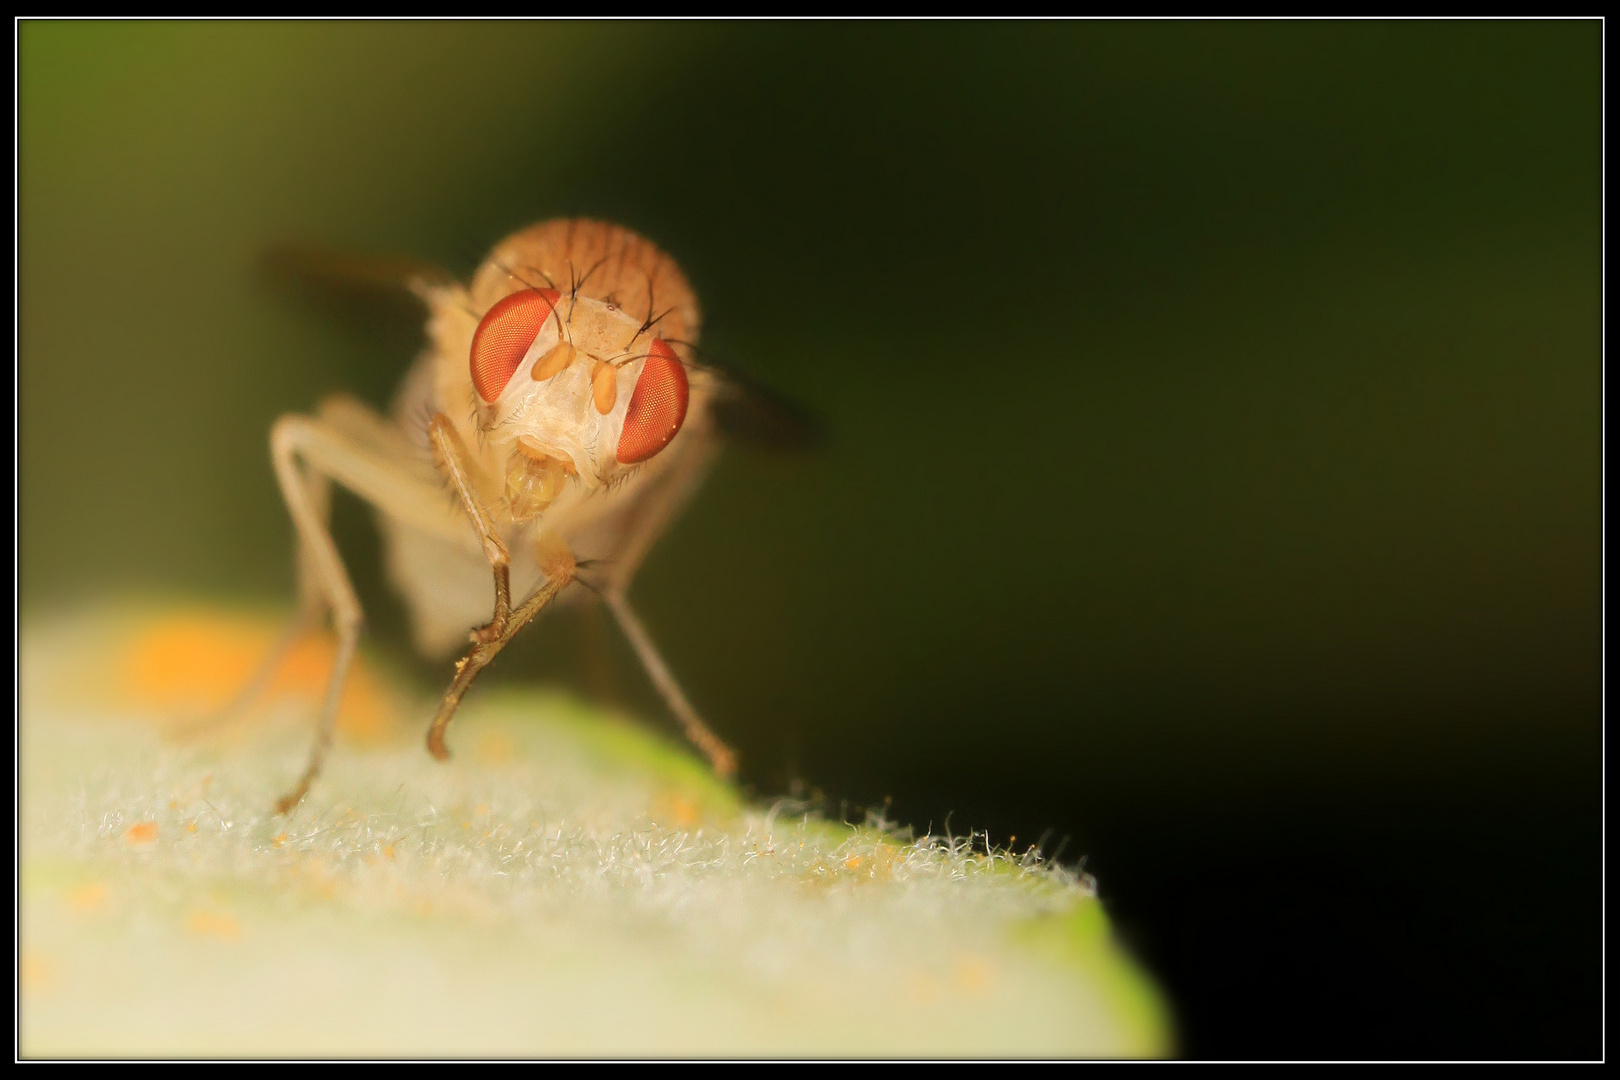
[375, 296]
[317, 268]
[748, 412]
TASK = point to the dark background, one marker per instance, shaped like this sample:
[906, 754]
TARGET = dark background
[1214, 473]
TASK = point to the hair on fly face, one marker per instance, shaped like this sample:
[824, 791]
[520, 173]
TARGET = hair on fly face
[576, 283]
[579, 282]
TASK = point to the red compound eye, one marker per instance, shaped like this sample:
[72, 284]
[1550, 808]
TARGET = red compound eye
[504, 335]
[657, 406]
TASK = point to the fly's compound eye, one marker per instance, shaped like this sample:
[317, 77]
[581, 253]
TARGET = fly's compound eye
[657, 406]
[503, 337]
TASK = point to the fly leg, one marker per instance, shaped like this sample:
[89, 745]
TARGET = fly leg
[720, 756]
[308, 453]
[553, 556]
[326, 575]
[455, 463]
[678, 485]
[558, 564]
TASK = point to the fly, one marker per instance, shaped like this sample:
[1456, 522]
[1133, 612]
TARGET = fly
[553, 427]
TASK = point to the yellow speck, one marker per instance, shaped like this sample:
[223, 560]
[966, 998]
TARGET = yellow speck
[677, 810]
[142, 832]
[281, 838]
[883, 859]
[495, 749]
[853, 862]
[388, 851]
[191, 827]
[214, 925]
[89, 897]
[36, 972]
[481, 810]
[971, 974]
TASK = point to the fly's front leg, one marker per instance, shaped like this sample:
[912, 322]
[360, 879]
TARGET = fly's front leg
[456, 464]
[557, 562]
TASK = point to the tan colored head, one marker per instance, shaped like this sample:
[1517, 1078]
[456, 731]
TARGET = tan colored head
[578, 361]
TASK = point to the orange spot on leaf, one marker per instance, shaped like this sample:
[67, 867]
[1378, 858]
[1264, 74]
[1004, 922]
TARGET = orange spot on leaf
[495, 749]
[199, 662]
[142, 832]
[214, 925]
[89, 897]
[36, 973]
[971, 974]
[676, 810]
[195, 661]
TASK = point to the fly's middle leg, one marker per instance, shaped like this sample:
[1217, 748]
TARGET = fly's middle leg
[323, 573]
[676, 488]
[721, 757]
[309, 453]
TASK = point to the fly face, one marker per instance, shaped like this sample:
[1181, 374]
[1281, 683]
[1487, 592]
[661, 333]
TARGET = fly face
[570, 388]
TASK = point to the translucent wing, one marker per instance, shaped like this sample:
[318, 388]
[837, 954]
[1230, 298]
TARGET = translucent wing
[321, 268]
[748, 412]
[378, 296]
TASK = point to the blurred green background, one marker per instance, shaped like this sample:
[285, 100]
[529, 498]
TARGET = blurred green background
[1215, 434]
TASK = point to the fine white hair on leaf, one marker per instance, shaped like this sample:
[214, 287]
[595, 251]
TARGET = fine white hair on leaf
[570, 883]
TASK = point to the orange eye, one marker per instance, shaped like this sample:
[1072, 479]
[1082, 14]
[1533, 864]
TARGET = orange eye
[504, 335]
[657, 406]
